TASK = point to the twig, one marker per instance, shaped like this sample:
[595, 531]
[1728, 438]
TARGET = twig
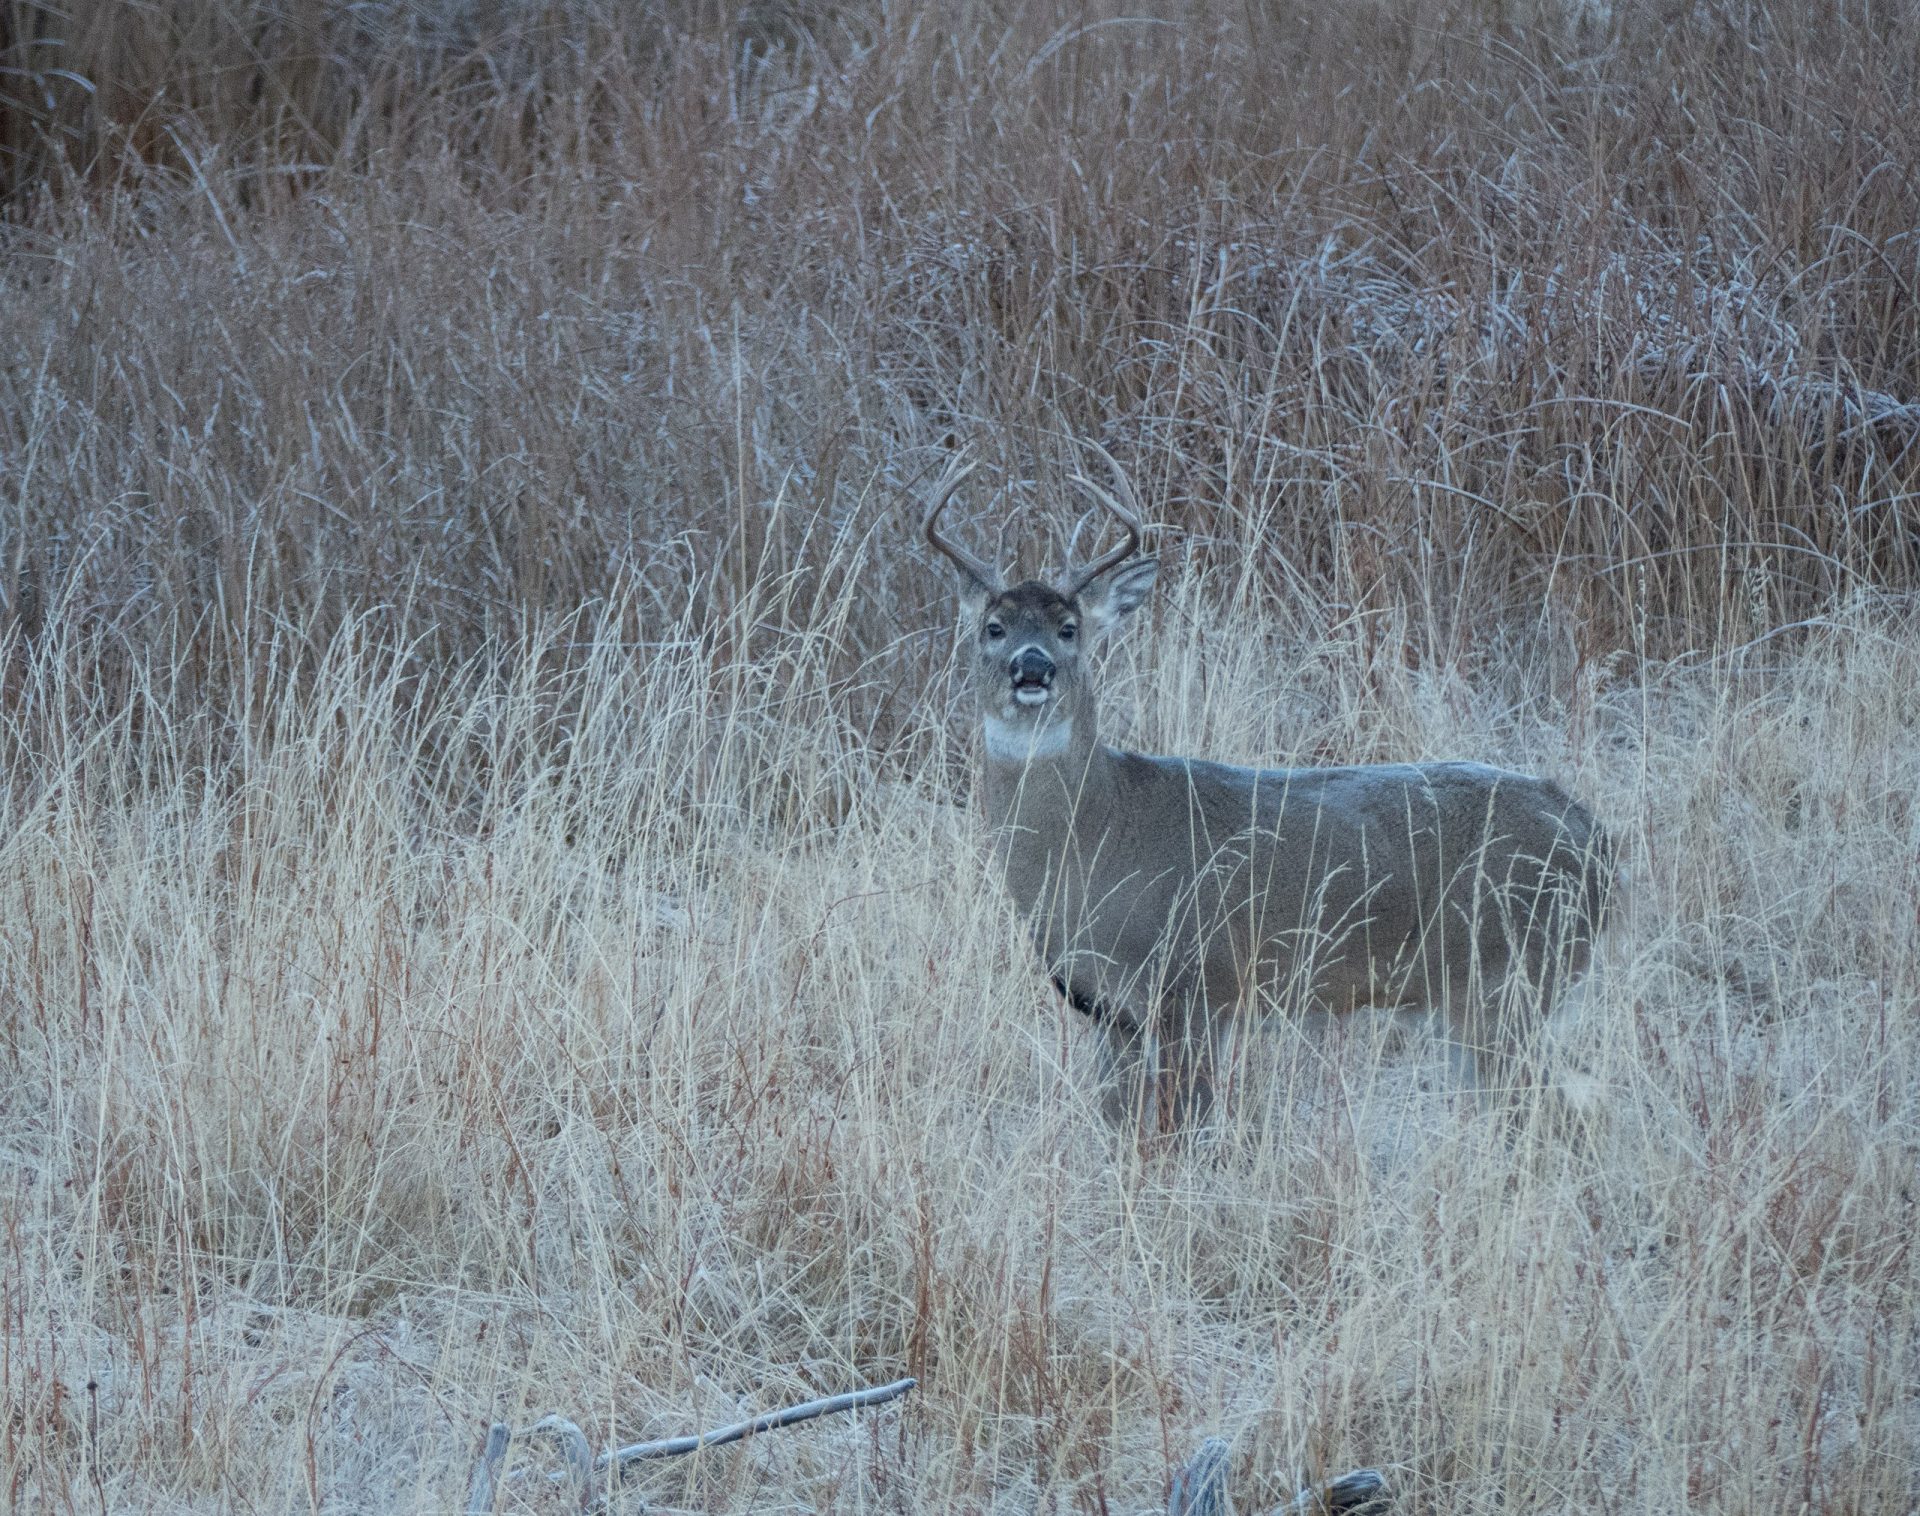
[1360, 1493]
[589, 1472]
[1200, 1489]
[486, 1473]
[618, 1458]
[579, 1456]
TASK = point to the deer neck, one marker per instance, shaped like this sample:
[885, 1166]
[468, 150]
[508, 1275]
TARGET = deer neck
[1045, 777]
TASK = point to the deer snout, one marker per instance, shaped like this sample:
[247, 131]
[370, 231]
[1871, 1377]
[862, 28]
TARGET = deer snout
[1031, 671]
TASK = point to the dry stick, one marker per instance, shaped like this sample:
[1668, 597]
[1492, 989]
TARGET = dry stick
[583, 1471]
[618, 1458]
[486, 1473]
[579, 1453]
[1362, 1491]
[1200, 1489]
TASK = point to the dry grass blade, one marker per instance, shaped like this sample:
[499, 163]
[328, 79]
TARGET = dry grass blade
[491, 909]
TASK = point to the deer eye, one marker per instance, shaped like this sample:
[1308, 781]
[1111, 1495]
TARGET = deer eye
[1069, 630]
[995, 631]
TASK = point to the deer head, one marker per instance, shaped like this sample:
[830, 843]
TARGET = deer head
[1030, 642]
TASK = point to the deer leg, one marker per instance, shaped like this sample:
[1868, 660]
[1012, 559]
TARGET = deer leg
[1125, 1051]
[1562, 969]
[1158, 1076]
[1479, 1022]
[1527, 961]
[1498, 1018]
[1124, 1093]
[1188, 1071]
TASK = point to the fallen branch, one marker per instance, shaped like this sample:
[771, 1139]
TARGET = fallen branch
[486, 1473]
[589, 1473]
[1360, 1493]
[673, 1447]
[1200, 1489]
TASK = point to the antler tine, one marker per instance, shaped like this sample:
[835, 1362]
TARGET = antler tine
[974, 568]
[1126, 510]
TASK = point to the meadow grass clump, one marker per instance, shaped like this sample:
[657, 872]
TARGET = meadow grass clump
[492, 922]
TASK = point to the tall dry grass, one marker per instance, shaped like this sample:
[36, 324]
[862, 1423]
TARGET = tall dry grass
[492, 923]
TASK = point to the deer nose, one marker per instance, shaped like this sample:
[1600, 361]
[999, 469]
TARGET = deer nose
[1031, 666]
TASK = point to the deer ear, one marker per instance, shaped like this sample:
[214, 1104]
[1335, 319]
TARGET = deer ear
[1117, 594]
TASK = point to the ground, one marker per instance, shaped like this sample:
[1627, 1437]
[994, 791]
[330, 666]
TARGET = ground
[493, 918]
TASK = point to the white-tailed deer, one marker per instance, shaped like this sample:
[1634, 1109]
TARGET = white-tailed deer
[1170, 897]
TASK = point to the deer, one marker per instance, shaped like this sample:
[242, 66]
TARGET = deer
[1174, 900]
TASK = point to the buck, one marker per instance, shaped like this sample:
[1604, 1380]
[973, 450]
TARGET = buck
[1172, 898]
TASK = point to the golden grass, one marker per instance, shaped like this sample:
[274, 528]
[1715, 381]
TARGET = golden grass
[490, 921]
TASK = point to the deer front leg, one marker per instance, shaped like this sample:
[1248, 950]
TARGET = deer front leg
[1125, 1089]
[1187, 1071]
[1158, 1076]
[1125, 1047]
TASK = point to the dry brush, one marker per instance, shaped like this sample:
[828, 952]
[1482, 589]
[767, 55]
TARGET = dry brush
[492, 920]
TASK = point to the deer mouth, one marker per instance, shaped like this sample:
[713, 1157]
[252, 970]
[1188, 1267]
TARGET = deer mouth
[1031, 689]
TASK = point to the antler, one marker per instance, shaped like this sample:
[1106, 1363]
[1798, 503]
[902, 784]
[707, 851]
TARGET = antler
[1126, 510]
[974, 568]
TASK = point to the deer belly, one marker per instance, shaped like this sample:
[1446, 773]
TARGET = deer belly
[1336, 949]
[1127, 953]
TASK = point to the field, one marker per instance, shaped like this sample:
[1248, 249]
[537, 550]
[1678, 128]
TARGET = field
[492, 915]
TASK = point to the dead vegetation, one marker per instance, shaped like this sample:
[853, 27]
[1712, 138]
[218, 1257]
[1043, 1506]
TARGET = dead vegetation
[490, 919]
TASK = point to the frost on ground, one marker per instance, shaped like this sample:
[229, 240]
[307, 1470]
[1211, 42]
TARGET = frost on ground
[330, 1146]
[492, 922]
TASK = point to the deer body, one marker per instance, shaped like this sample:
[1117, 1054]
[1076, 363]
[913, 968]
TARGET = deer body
[1172, 897]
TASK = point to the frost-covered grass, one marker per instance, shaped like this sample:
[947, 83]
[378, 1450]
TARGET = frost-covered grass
[490, 917]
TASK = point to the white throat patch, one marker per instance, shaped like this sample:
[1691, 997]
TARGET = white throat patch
[1024, 741]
